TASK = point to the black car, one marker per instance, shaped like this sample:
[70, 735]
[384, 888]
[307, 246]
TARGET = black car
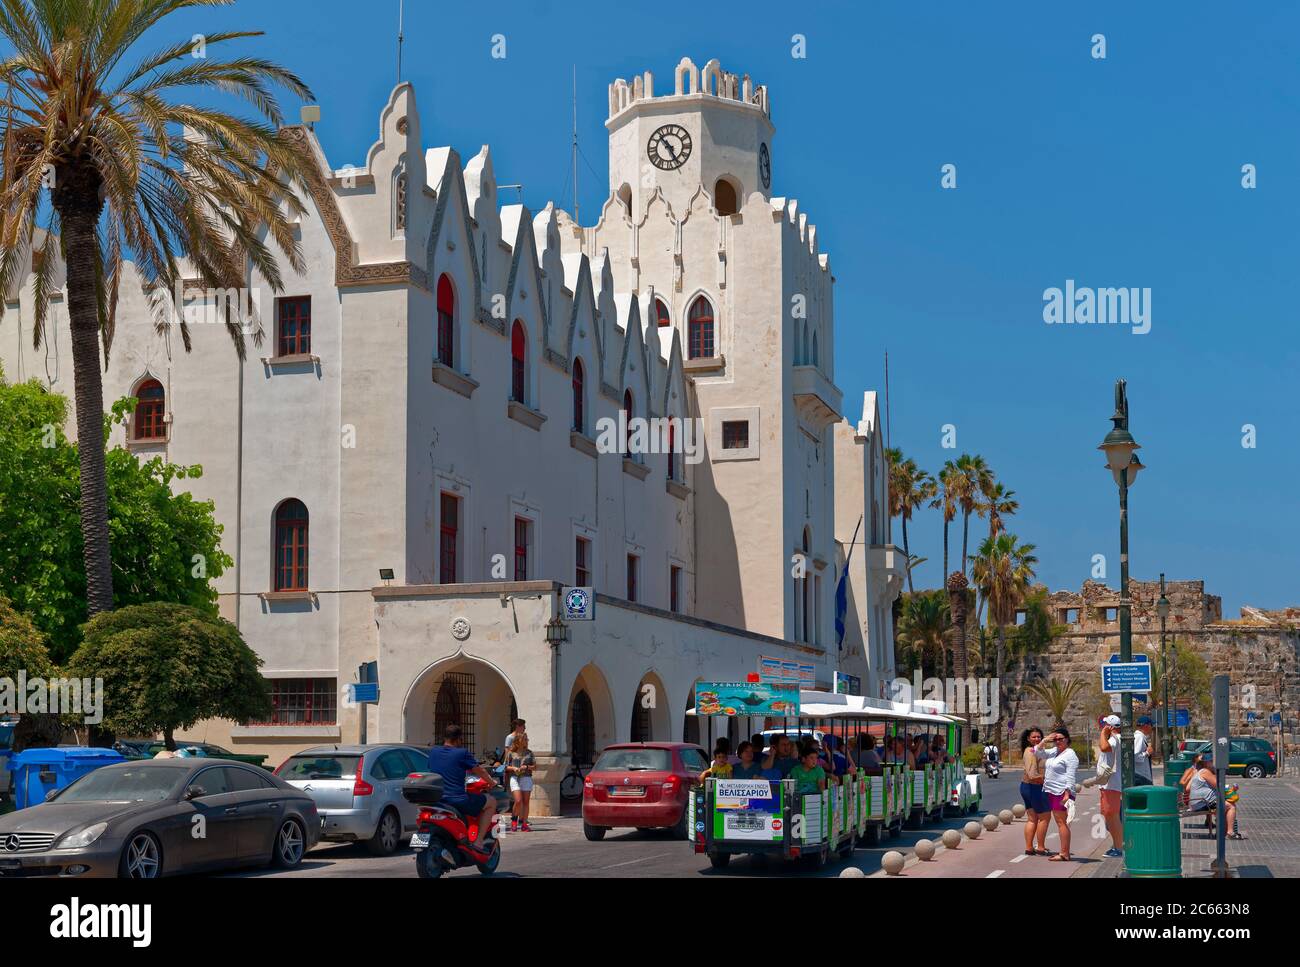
[157, 817]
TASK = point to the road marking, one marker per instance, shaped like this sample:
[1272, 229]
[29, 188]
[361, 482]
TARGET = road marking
[1022, 856]
[995, 874]
[640, 859]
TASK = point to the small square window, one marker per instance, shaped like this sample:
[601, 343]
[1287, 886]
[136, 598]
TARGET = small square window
[735, 435]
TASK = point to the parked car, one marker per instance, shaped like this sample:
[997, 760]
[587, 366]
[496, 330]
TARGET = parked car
[1248, 756]
[148, 748]
[139, 820]
[642, 785]
[358, 790]
[6, 751]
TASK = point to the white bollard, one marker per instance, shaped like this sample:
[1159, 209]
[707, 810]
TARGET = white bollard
[1018, 810]
[924, 850]
[991, 822]
[852, 872]
[1006, 817]
[892, 862]
[973, 829]
[951, 839]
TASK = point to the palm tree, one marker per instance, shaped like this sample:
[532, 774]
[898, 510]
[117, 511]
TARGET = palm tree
[956, 586]
[1057, 695]
[922, 621]
[132, 175]
[995, 501]
[1003, 570]
[950, 483]
[910, 487]
[976, 476]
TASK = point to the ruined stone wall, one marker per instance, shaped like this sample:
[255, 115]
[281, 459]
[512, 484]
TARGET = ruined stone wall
[1260, 651]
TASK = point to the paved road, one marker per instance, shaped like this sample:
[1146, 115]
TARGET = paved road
[556, 847]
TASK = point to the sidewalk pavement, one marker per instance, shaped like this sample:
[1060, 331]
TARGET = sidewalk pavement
[1269, 818]
[1001, 853]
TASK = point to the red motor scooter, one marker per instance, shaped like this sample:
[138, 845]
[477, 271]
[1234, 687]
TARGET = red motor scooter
[444, 836]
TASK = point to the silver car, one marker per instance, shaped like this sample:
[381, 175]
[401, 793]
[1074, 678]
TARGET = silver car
[358, 791]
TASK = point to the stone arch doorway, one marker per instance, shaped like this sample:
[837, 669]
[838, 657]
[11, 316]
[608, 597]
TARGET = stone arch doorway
[589, 716]
[464, 691]
[651, 721]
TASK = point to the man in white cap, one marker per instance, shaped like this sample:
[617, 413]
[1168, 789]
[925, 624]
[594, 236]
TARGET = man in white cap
[1112, 790]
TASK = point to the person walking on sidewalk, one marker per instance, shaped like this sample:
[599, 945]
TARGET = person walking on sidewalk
[1142, 751]
[1037, 815]
[1060, 766]
[1112, 789]
[520, 763]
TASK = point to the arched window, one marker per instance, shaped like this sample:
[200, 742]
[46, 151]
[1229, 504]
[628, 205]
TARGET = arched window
[724, 197]
[582, 729]
[627, 423]
[399, 199]
[446, 321]
[625, 196]
[579, 396]
[699, 339]
[291, 546]
[661, 313]
[149, 411]
[518, 363]
[816, 359]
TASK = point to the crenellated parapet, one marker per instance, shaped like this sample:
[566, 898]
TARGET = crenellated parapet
[688, 79]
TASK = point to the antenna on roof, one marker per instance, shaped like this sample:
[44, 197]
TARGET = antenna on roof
[401, 11]
[576, 216]
[886, 398]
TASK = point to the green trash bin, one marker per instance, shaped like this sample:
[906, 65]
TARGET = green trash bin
[1153, 845]
[1175, 766]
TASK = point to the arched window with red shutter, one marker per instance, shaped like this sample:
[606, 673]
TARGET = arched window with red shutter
[700, 344]
[446, 321]
[579, 396]
[661, 314]
[291, 546]
[518, 363]
[150, 409]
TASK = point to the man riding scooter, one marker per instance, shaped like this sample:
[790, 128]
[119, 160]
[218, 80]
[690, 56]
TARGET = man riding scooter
[453, 762]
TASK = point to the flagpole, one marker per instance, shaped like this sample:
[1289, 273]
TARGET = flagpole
[401, 11]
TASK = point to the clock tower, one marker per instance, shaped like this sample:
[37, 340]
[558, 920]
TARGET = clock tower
[714, 130]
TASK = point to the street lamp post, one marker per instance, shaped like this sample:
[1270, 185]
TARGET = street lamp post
[1123, 463]
[1162, 609]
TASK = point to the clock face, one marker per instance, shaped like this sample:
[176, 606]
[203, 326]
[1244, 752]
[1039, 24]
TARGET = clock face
[669, 147]
[765, 166]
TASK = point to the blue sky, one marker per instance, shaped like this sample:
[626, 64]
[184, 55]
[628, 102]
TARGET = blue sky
[1117, 172]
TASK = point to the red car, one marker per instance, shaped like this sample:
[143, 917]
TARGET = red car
[643, 785]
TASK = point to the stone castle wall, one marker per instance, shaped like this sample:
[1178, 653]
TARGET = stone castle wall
[1260, 651]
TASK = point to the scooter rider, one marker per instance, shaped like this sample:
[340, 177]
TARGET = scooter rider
[453, 762]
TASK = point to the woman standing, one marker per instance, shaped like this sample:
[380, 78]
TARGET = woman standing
[519, 764]
[1037, 814]
[1060, 766]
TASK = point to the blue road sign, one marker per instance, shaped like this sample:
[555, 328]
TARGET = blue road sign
[1178, 718]
[365, 692]
[1132, 676]
[1114, 659]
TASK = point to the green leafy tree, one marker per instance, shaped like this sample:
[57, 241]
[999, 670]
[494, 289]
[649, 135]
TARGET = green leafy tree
[166, 545]
[1057, 695]
[910, 487]
[166, 667]
[96, 143]
[22, 650]
[1003, 570]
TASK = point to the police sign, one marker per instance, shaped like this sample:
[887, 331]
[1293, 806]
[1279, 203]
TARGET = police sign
[579, 604]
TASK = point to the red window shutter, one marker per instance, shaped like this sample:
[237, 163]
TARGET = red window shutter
[518, 371]
[446, 321]
[700, 330]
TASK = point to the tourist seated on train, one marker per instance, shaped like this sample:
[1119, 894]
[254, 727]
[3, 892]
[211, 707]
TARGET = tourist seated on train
[920, 752]
[721, 767]
[868, 757]
[840, 760]
[747, 767]
[808, 776]
[781, 757]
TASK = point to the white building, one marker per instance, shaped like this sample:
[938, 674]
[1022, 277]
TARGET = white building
[429, 399]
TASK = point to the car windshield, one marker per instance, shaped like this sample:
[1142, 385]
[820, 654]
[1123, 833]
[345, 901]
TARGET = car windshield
[300, 768]
[634, 760]
[138, 784]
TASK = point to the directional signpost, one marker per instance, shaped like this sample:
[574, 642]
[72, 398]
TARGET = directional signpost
[1126, 676]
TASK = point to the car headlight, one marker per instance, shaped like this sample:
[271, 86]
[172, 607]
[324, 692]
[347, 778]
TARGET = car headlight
[83, 838]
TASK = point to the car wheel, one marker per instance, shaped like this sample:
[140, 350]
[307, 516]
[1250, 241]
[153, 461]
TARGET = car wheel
[719, 861]
[388, 835]
[141, 858]
[1254, 771]
[682, 828]
[290, 844]
[594, 833]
